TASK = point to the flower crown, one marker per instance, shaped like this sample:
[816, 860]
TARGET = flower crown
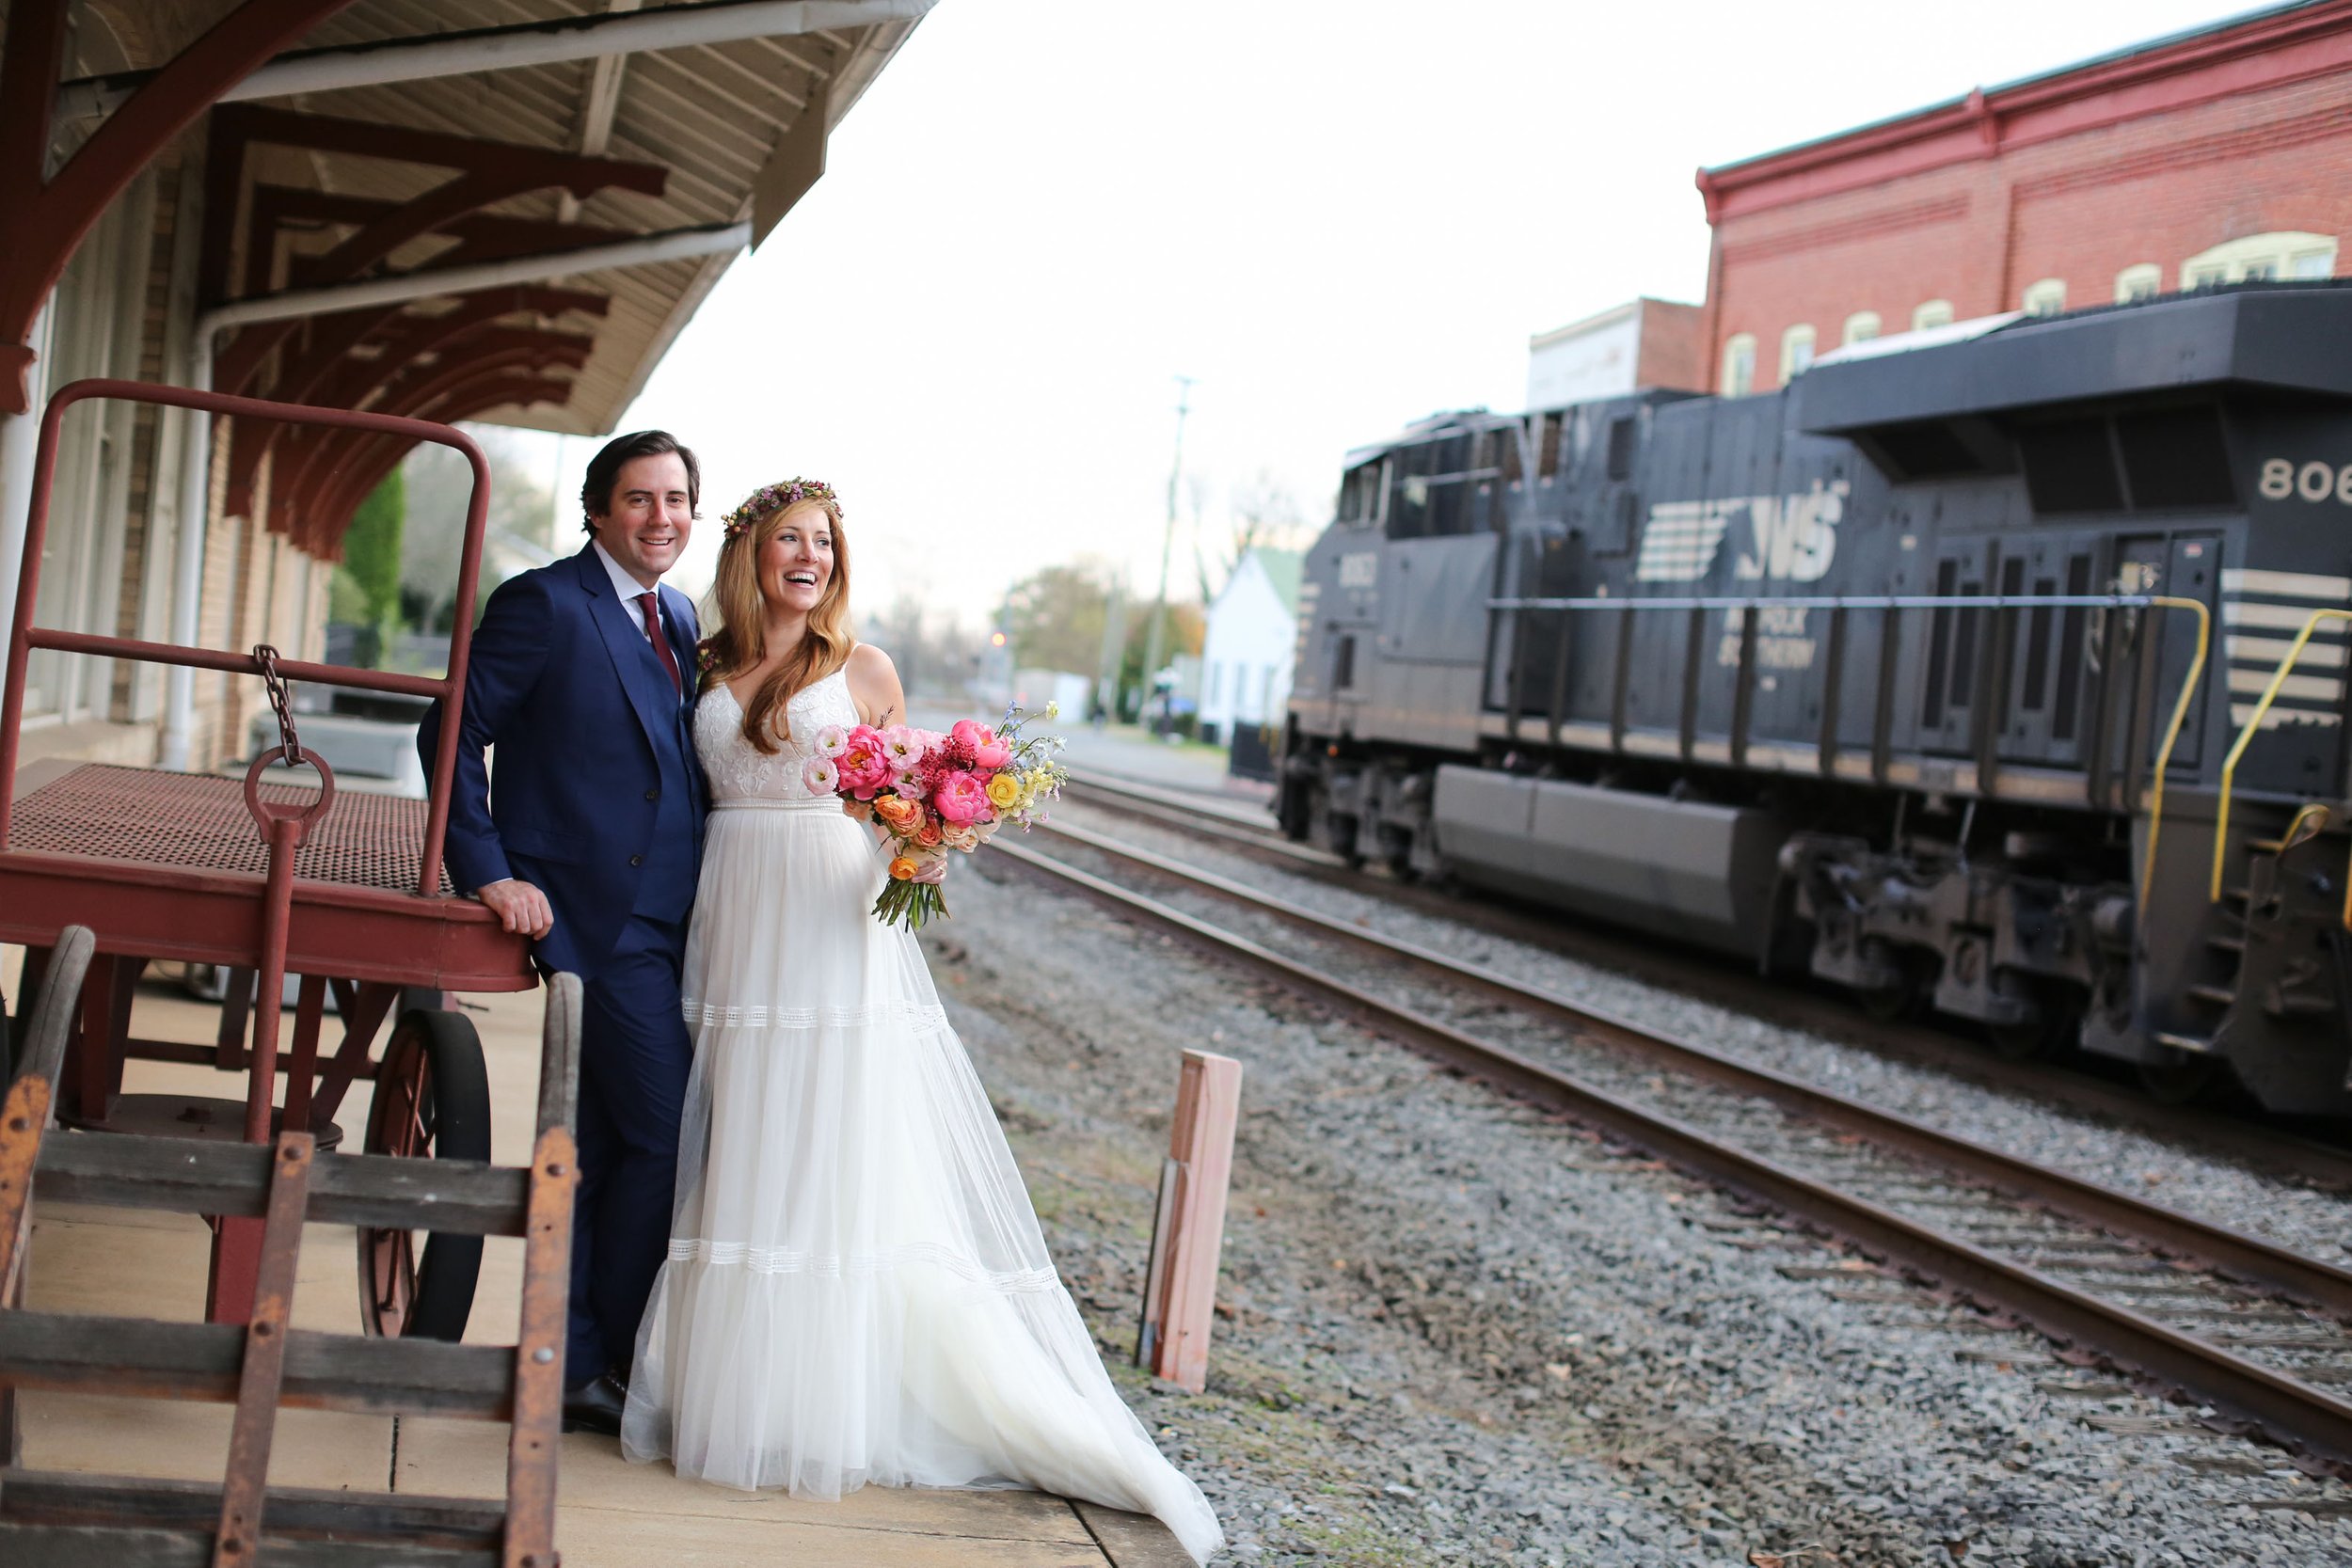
[774, 498]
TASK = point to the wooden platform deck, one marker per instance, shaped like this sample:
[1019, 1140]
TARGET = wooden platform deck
[613, 1515]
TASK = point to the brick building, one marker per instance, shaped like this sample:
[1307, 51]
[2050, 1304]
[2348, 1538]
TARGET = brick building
[2209, 156]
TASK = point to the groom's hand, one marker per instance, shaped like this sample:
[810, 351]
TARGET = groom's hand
[521, 908]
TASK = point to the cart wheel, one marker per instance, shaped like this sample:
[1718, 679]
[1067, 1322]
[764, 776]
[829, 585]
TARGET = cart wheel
[432, 1102]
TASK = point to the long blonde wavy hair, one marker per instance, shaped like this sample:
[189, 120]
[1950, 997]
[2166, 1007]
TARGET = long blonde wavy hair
[740, 643]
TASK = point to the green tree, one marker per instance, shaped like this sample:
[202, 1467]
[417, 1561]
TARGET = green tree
[1054, 619]
[366, 586]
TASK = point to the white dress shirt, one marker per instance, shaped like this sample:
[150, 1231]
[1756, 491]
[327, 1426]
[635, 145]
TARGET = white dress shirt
[629, 589]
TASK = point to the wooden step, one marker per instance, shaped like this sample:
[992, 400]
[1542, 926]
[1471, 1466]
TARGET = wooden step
[467, 1529]
[2227, 944]
[201, 1361]
[2184, 1042]
[2221, 996]
[188, 1176]
[194, 1548]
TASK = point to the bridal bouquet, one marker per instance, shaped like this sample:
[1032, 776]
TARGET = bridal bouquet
[932, 793]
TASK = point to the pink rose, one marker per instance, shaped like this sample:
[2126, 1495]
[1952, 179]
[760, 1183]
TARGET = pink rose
[864, 766]
[962, 797]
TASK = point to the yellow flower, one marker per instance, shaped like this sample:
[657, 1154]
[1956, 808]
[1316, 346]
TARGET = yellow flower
[901, 870]
[1003, 790]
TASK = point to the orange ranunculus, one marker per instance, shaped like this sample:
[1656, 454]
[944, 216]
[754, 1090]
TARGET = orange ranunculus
[896, 810]
[902, 870]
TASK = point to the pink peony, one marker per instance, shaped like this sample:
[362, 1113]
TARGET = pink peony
[831, 740]
[822, 776]
[977, 742]
[865, 767]
[961, 798]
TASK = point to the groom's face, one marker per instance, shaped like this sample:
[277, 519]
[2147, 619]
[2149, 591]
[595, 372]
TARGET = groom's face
[646, 529]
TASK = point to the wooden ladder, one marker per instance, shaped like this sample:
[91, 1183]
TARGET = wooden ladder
[49, 1520]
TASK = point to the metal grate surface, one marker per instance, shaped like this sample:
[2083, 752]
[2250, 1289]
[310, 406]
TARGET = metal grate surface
[191, 820]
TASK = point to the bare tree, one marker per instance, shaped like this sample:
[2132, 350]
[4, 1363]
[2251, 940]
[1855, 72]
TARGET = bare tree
[1264, 513]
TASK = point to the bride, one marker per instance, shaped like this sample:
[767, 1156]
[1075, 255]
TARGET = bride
[856, 1290]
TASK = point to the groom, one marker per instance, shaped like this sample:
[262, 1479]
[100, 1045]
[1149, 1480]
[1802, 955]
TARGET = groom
[583, 677]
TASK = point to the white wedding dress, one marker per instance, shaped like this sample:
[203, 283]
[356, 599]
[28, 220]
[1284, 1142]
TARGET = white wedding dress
[857, 1289]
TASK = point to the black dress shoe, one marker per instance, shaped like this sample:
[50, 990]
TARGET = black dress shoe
[595, 1405]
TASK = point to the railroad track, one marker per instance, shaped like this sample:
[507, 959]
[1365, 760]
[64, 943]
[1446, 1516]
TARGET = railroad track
[2262, 1333]
[1237, 828]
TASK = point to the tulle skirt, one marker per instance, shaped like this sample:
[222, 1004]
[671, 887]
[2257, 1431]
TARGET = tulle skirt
[857, 1288]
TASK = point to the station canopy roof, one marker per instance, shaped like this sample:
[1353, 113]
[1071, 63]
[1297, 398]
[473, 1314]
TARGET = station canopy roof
[403, 136]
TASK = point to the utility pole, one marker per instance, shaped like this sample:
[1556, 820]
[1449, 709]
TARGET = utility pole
[1157, 642]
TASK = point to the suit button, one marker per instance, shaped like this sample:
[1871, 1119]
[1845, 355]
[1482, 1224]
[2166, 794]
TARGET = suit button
[637, 859]
[652, 794]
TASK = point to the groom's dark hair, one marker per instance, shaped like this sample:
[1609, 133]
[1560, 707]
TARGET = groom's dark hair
[604, 471]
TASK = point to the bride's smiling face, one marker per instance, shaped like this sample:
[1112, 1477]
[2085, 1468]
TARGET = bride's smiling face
[795, 563]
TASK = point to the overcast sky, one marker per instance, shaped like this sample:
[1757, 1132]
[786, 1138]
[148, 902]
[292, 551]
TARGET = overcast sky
[1336, 216]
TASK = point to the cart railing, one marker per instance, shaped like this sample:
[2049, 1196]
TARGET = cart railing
[450, 688]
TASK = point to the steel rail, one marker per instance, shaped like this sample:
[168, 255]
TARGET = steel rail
[2320, 1283]
[2284, 1153]
[2282, 1406]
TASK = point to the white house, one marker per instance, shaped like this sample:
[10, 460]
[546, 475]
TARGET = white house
[1246, 656]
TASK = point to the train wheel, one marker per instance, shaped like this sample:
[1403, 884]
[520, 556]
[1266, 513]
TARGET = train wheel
[2042, 1032]
[1897, 997]
[432, 1102]
[2179, 1080]
[1339, 836]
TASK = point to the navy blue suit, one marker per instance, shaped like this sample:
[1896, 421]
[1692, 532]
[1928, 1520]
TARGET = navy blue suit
[599, 803]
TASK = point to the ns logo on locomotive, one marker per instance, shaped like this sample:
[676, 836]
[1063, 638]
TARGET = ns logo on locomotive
[2001, 675]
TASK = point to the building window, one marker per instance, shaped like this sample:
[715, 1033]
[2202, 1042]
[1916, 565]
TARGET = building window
[1860, 327]
[2138, 283]
[2288, 253]
[1740, 365]
[1217, 682]
[1935, 312]
[2045, 299]
[1796, 352]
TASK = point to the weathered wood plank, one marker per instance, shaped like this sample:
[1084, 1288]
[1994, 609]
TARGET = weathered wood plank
[89, 1547]
[1132, 1540]
[201, 1361]
[189, 1177]
[58, 1498]
[264, 1370]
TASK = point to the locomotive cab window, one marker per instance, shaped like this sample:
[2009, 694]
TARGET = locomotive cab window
[1621, 436]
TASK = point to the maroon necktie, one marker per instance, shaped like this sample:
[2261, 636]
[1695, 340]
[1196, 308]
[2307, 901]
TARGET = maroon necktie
[651, 605]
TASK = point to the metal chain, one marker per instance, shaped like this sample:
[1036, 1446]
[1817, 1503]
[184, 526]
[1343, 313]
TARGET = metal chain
[266, 657]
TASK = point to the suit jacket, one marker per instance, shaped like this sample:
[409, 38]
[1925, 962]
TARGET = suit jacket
[563, 681]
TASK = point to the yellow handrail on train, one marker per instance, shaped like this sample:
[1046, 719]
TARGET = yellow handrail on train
[2246, 737]
[2172, 730]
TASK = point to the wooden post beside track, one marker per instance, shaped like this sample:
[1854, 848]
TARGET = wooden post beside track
[1188, 1231]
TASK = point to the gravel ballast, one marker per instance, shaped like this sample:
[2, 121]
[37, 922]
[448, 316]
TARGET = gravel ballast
[2313, 1221]
[1453, 1329]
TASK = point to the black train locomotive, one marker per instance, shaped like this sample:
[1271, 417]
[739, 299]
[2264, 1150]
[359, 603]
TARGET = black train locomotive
[1900, 675]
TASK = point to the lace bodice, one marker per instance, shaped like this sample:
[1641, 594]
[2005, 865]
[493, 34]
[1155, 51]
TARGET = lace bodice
[734, 768]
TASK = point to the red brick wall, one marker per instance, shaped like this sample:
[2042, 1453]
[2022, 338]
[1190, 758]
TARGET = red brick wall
[2155, 186]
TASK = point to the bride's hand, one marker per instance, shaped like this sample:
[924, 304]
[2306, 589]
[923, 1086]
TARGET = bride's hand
[933, 871]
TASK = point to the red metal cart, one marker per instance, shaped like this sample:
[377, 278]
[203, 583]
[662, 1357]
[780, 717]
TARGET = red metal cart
[345, 890]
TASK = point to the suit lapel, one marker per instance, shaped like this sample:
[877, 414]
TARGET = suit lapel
[678, 623]
[648, 688]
